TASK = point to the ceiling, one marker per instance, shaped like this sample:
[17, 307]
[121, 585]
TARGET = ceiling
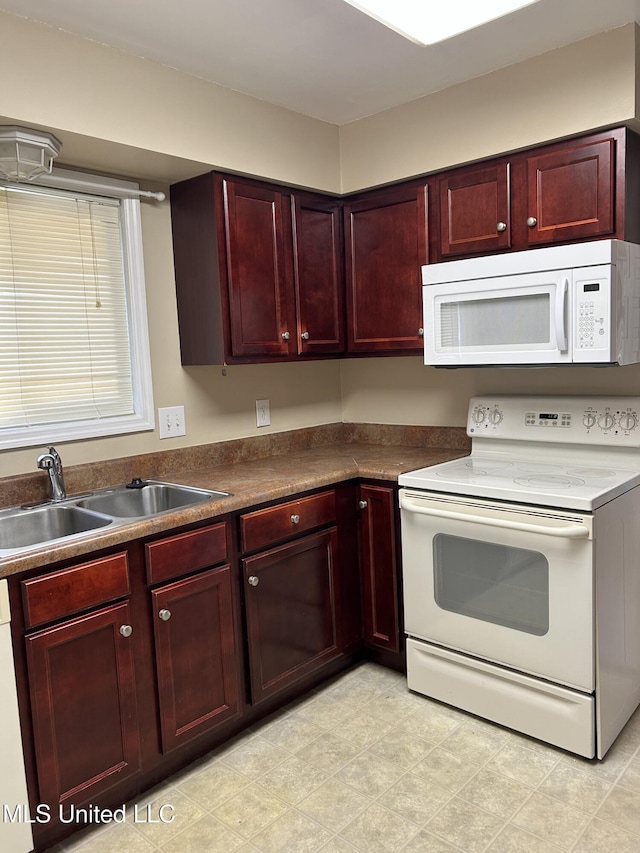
[322, 58]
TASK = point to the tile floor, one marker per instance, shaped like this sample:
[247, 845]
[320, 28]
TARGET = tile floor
[363, 765]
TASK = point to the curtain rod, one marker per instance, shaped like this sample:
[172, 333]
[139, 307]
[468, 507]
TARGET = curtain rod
[58, 179]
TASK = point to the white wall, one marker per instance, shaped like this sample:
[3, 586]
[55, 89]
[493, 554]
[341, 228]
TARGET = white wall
[124, 115]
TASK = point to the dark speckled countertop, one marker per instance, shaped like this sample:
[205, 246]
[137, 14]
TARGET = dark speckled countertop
[255, 471]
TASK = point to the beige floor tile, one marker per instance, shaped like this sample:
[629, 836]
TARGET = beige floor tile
[291, 733]
[254, 757]
[622, 808]
[328, 752]
[213, 785]
[250, 811]
[333, 804]
[369, 774]
[338, 845]
[603, 837]
[551, 820]
[519, 762]
[293, 780]
[325, 711]
[475, 741]
[496, 794]
[379, 829]
[425, 842]
[445, 769]
[358, 691]
[402, 747]
[631, 777]
[393, 706]
[609, 768]
[572, 785]
[116, 837]
[178, 812]
[512, 839]
[362, 728]
[205, 834]
[464, 825]
[430, 722]
[629, 738]
[291, 832]
[414, 798]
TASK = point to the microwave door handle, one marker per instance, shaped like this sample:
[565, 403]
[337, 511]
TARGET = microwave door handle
[569, 531]
[560, 315]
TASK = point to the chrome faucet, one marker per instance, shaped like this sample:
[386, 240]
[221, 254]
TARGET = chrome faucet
[52, 464]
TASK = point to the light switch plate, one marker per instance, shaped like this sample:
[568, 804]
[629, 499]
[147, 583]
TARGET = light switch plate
[171, 421]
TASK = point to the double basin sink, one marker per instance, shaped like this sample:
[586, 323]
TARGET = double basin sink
[24, 528]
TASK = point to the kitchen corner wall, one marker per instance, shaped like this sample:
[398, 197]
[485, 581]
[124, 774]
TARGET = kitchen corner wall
[123, 115]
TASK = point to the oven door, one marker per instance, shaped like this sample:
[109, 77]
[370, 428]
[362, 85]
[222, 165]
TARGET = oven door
[518, 319]
[509, 584]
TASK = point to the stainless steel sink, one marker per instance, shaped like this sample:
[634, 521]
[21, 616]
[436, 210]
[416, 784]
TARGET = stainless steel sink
[150, 499]
[24, 528]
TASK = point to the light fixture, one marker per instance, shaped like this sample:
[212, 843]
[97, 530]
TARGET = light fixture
[26, 153]
[429, 22]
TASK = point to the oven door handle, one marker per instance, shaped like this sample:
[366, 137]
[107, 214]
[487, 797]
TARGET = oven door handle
[569, 531]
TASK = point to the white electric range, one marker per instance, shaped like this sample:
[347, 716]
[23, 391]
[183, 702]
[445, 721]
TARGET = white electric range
[521, 568]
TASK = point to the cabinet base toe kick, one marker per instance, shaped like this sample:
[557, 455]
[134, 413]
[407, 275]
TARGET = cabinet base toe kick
[554, 714]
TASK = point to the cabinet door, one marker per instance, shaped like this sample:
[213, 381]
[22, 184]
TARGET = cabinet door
[475, 210]
[81, 679]
[291, 611]
[196, 655]
[378, 559]
[385, 248]
[570, 192]
[318, 279]
[260, 305]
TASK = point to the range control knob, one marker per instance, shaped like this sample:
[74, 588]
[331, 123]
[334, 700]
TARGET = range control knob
[589, 419]
[495, 417]
[606, 421]
[628, 420]
[478, 415]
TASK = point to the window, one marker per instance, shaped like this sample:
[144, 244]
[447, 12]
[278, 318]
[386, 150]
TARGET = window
[74, 349]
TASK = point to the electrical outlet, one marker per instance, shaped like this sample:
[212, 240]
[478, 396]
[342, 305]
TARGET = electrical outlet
[171, 421]
[263, 413]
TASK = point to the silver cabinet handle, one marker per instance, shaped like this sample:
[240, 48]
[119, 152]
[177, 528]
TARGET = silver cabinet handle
[363, 504]
[286, 336]
[165, 615]
[532, 221]
[126, 630]
[295, 519]
[501, 226]
[420, 332]
[253, 580]
[305, 336]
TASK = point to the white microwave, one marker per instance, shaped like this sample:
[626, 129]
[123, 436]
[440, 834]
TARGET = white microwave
[573, 304]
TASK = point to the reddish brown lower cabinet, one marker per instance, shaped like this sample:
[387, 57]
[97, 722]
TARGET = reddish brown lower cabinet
[196, 655]
[83, 701]
[379, 565]
[291, 611]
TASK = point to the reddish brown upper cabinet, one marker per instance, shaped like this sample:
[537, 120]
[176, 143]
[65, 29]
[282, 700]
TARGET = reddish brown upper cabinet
[258, 271]
[475, 210]
[386, 244]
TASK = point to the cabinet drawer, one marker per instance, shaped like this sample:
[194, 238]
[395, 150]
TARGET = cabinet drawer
[186, 552]
[70, 590]
[265, 526]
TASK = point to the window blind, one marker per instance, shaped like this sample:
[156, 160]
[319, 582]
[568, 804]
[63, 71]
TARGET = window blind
[64, 336]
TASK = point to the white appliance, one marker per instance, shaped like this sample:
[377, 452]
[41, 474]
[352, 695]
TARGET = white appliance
[15, 829]
[578, 303]
[521, 569]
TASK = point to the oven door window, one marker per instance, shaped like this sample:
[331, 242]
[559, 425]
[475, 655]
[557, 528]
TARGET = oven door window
[495, 583]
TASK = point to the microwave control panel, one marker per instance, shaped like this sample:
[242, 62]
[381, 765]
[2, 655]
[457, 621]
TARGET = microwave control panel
[592, 312]
[613, 421]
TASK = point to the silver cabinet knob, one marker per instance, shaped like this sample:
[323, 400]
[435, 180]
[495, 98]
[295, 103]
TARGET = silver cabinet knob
[501, 226]
[363, 504]
[165, 615]
[253, 580]
[420, 332]
[305, 336]
[532, 221]
[286, 336]
[126, 630]
[295, 519]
